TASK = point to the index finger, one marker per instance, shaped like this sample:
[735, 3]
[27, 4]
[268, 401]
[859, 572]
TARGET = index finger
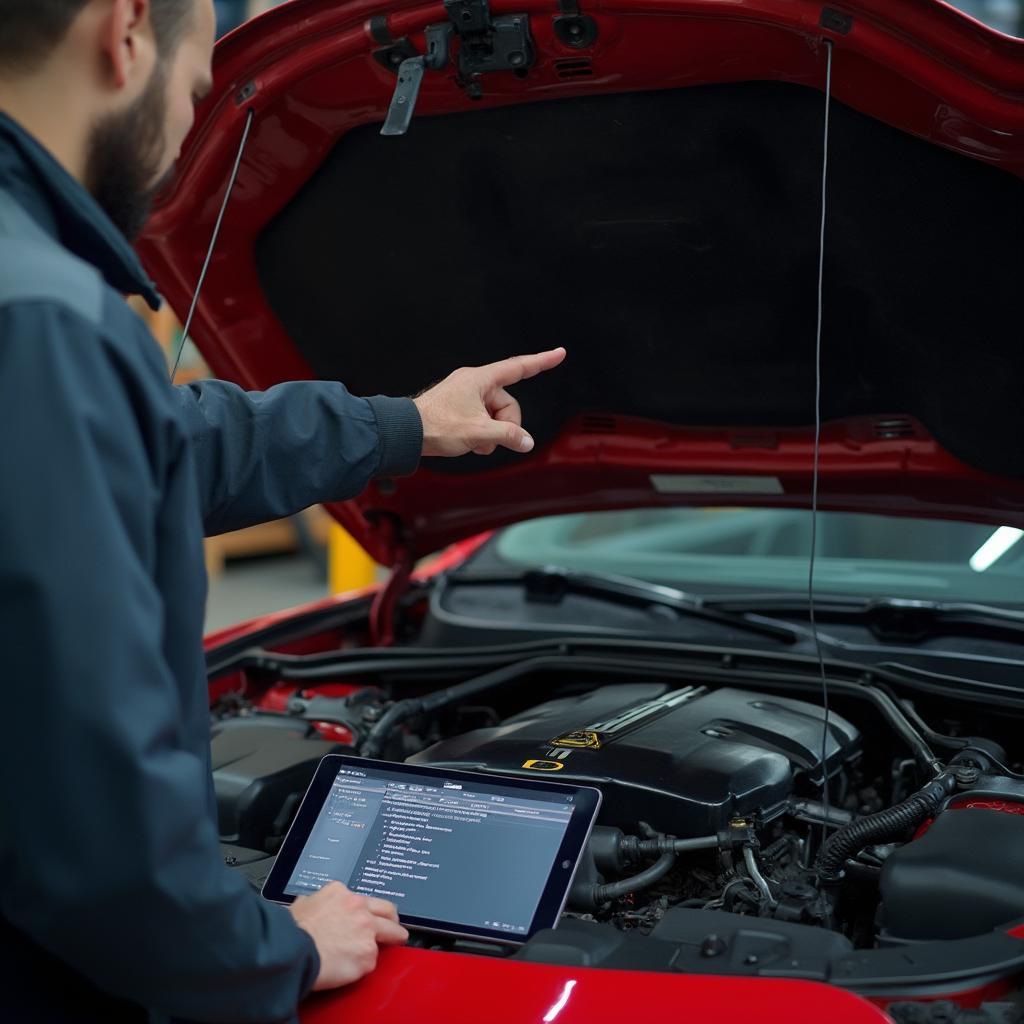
[517, 368]
[390, 933]
[382, 908]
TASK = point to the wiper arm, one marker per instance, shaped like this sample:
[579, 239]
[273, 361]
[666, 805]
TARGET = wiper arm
[894, 618]
[550, 584]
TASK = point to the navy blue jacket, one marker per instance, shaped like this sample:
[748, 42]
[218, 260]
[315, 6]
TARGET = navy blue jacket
[114, 899]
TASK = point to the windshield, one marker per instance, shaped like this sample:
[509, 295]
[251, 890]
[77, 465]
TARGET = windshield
[1003, 15]
[742, 550]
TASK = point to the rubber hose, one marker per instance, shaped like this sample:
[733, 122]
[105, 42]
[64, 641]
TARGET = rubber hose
[899, 722]
[892, 823]
[661, 867]
[403, 710]
[634, 848]
[377, 736]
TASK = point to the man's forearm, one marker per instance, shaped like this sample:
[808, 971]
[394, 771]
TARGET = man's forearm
[264, 455]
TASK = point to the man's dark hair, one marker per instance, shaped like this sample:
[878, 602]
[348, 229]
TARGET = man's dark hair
[30, 29]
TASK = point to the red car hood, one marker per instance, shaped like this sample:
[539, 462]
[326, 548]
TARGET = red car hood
[651, 200]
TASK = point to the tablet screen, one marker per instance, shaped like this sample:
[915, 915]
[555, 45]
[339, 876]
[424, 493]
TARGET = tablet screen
[457, 851]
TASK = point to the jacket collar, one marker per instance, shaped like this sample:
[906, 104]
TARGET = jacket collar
[66, 211]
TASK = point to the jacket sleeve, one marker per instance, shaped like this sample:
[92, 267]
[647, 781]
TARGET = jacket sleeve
[264, 455]
[110, 858]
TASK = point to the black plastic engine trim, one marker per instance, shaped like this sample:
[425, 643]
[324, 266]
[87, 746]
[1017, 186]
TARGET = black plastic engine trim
[926, 968]
[713, 662]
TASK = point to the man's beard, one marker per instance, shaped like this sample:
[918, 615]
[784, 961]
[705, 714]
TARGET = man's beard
[124, 158]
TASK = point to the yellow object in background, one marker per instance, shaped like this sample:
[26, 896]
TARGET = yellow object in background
[349, 567]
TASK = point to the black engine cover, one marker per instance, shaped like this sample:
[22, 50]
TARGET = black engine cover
[261, 767]
[685, 761]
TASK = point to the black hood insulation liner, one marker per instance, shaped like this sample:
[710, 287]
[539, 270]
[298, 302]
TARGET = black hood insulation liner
[669, 240]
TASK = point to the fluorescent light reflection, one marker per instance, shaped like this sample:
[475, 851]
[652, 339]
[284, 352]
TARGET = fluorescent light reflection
[560, 1004]
[995, 547]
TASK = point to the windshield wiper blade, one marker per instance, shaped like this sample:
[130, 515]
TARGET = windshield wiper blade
[893, 618]
[552, 583]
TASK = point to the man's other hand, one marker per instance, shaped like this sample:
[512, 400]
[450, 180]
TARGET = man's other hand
[347, 929]
[470, 410]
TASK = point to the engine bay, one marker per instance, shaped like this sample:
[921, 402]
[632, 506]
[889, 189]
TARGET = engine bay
[690, 760]
[729, 840]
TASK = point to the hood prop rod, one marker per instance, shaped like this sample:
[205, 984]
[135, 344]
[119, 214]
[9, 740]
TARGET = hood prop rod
[213, 242]
[816, 473]
[384, 610]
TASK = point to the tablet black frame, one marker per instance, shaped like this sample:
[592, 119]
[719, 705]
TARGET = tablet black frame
[556, 888]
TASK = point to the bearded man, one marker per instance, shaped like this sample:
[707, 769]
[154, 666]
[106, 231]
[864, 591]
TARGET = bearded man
[114, 901]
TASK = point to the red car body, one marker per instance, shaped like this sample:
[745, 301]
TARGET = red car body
[306, 70]
[451, 988]
[921, 67]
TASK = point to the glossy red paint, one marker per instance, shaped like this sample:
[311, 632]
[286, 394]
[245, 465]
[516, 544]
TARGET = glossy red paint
[262, 622]
[450, 558]
[967, 802]
[584, 470]
[277, 698]
[918, 65]
[431, 988]
[450, 988]
[232, 683]
[1006, 806]
[588, 470]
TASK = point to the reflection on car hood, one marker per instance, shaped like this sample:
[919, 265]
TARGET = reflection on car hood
[652, 202]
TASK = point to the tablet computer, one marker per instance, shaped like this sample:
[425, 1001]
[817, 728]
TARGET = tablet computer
[463, 853]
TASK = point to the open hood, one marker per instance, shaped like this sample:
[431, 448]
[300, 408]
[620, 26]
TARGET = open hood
[640, 181]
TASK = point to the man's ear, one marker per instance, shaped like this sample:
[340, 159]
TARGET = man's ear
[127, 42]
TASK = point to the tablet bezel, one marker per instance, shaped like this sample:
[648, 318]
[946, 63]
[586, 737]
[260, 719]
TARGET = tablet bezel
[559, 880]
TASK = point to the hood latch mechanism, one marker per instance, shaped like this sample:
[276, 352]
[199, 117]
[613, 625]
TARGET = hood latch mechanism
[486, 44]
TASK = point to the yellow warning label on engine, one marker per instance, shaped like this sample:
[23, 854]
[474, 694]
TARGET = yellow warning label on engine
[543, 766]
[581, 739]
